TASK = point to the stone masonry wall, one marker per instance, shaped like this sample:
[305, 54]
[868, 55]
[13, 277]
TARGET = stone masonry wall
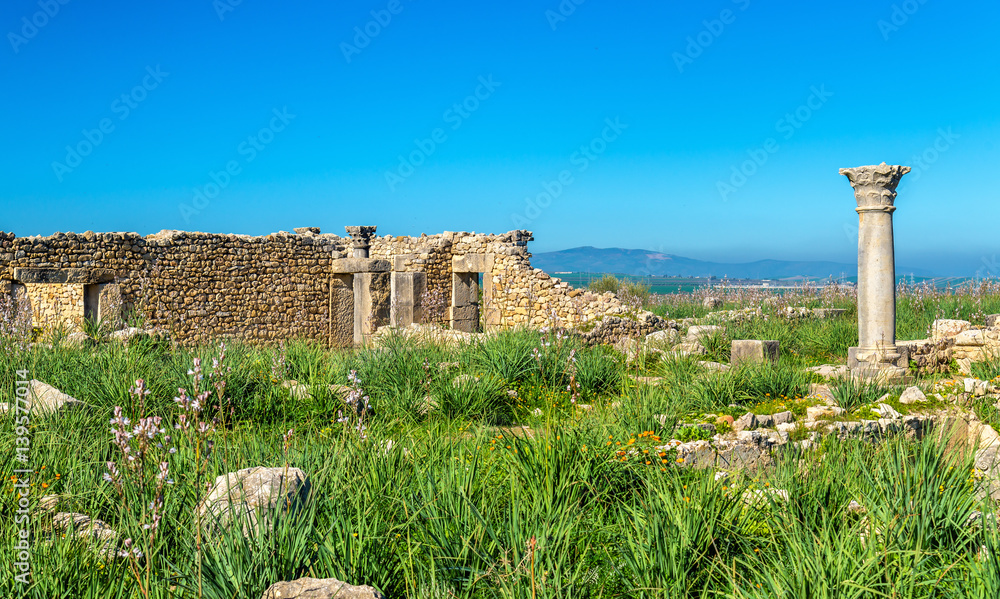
[199, 286]
[202, 286]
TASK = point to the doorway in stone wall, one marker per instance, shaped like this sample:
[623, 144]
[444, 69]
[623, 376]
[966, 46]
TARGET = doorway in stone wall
[92, 302]
[465, 301]
[471, 292]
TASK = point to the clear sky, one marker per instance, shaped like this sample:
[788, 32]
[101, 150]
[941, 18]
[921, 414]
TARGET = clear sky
[589, 122]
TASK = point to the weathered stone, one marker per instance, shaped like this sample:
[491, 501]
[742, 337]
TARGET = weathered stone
[296, 389]
[82, 526]
[886, 411]
[946, 327]
[712, 303]
[697, 333]
[823, 412]
[77, 339]
[912, 395]
[987, 458]
[240, 498]
[696, 454]
[664, 338]
[747, 421]
[765, 421]
[759, 498]
[784, 417]
[753, 352]
[314, 588]
[44, 399]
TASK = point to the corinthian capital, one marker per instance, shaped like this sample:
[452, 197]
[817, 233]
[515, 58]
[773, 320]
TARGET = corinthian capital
[875, 185]
[360, 236]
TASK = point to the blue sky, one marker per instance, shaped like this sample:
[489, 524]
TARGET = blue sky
[598, 123]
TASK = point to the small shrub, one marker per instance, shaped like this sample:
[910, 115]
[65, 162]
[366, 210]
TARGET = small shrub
[605, 284]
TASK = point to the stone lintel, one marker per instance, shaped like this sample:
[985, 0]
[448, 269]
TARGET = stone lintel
[472, 263]
[399, 261]
[357, 265]
[63, 275]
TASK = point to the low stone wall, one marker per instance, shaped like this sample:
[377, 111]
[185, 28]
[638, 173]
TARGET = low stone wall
[928, 356]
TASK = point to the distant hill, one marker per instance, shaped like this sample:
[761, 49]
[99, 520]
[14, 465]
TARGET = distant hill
[646, 262]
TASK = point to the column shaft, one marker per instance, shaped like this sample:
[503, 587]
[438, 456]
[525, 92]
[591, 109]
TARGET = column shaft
[876, 281]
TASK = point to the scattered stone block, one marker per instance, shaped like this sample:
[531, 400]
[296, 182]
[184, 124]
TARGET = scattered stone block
[946, 327]
[912, 395]
[698, 332]
[753, 352]
[85, 528]
[712, 303]
[993, 321]
[44, 399]
[315, 588]
[970, 338]
[239, 498]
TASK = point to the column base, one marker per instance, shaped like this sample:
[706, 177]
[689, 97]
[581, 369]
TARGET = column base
[888, 364]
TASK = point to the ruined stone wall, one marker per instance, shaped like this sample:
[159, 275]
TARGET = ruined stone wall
[198, 286]
[518, 294]
[201, 286]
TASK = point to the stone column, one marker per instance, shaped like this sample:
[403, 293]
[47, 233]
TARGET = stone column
[360, 240]
[875, 191]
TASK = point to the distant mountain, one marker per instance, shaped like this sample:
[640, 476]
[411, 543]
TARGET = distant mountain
[645, 262]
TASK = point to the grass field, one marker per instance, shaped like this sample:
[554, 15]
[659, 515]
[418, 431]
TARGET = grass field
[441, 492]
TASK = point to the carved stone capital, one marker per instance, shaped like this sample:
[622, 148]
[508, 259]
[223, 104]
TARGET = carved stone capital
[361, 236]
[875, 185]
